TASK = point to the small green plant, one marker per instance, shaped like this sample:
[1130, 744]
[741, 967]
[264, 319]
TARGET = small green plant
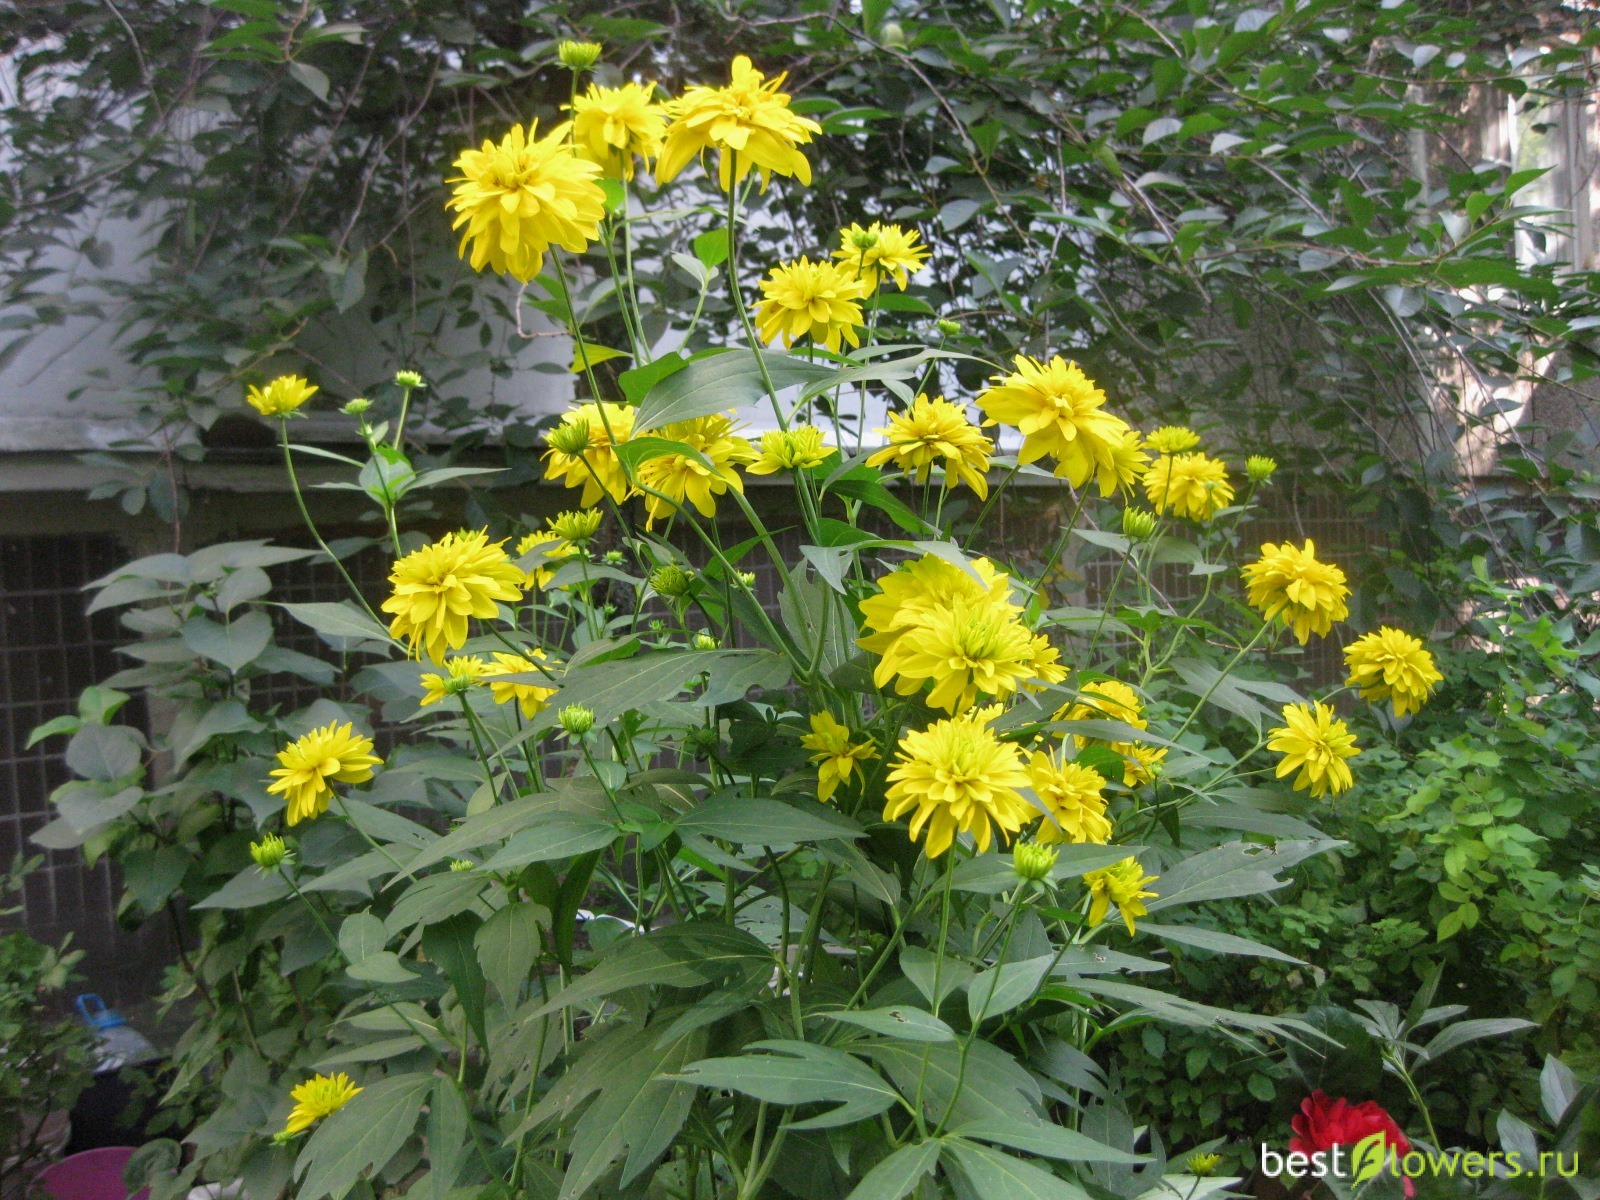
[46, 1059]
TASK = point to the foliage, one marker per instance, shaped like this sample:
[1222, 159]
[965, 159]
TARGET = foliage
[1283, 222]
[592, 928]
[45, 1058]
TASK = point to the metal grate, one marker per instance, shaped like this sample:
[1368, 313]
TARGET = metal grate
[51, 651]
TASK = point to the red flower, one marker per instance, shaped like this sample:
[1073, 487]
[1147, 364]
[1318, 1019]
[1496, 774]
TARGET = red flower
[1322, 1124]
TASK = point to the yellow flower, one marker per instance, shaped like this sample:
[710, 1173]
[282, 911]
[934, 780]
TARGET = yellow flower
[556, 549]
[280, 397]
[959, 778]
[909, 594]
[880, 250]
[1172, 439]
[1113, 700]
[578, 528]
[835, 754]
[1070, 793]
[612, 125]
[1188, 485]
[332, 754]
[749, 122]
[679, 477]
[1121, 884]
[797, 449]
[522, 195]
[810, 299]
[935, 432]
[462, 674]
[440, 586]
[1392, 665]
[318, 1097]
[531, 698]
[1316, 743]
[596, 469]
[1128, 458]
[1290, 585]
[1060, 412]
[966, 649]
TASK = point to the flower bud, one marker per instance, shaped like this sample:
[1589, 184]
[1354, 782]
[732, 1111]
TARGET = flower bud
[671, 581]
[893, 35]
[356, 407]
[576, 720]
[1138, 524]
[269, 852]
[1203, 1165]
[578, 528]
[748, 578]
[947, 327]
[1033, 862]
[658, 626]
[408, 379]
[613, 558]
[1259, 468]
[578, 56]
[863, 239]
[460, 865]
[701, 742]
[570, 438]
[704, 641]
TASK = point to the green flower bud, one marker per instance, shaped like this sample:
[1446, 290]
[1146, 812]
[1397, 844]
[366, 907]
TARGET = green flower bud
[410, 380]
[863, 239]
[748, 578]
[579, 527]
[460, 865]
[613, 558]
[578, 56]
[704, 641]
[269, 852]
[671, 581]
[570, 438]
[1259, 468]
[893, 35]
[1138, 524]
[576, 720]
[1203, 1164]
[357, 406]
[948, 327]
[1033, 862]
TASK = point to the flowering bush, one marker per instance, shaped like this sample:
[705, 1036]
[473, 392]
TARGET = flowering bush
[661, 891]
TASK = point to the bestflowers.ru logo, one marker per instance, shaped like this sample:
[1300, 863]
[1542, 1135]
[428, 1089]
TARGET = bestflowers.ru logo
[1372, 1156]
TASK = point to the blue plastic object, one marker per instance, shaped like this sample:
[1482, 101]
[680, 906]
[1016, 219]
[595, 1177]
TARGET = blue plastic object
[96, 1013]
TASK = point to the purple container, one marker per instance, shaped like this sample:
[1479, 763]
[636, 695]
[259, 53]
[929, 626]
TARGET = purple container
[91, 1175]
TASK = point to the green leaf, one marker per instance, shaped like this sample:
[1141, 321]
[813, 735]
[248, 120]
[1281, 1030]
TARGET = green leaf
[361, 1136]
[760, 822]
[250, 888]
[508, 946]
[234, 645]
[449, 1139]
[716, 381]
[449, 944]
[104, 752]
[436, 898]
[637, 383]
[1051, 1141]
[998, 1176]
[341, 619]
[218, 720]
[1462, 1032]
[896, 1176]
[687, 955]
[799, 1073]
[66, 723]
[1211, 939]
[993, 1086]
[361, 936]
[381, 825]
[901, 1021]
[555, 835]
[1002, 988]
[870, 491]
[711, 247]
[495, 825]
[1232, 869]
[590, 354]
